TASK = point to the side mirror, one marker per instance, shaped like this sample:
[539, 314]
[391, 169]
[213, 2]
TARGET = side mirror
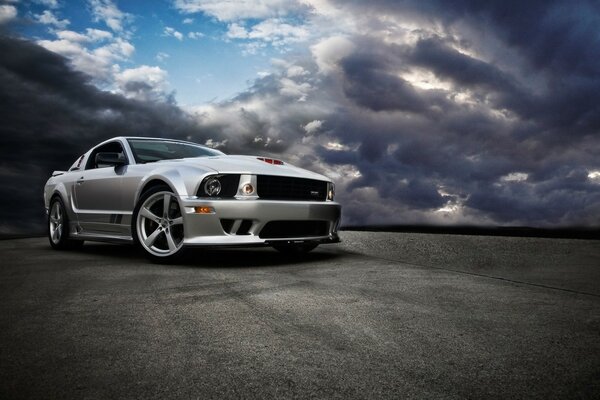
[110, 159]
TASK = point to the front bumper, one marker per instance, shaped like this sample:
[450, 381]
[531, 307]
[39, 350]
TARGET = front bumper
[207, 229]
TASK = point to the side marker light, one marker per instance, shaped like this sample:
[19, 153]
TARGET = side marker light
[204, 210]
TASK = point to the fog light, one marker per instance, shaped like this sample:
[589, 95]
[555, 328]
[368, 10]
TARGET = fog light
[204, 210]
[330, 191]
[212, 187]
[247, 189]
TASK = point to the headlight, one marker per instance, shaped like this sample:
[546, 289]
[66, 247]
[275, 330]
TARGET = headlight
[330, 191]
[212, 187]
[219, 186]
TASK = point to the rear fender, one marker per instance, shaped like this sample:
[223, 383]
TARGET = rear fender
[61, 190]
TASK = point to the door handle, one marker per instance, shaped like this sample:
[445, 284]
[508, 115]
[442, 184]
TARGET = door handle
[80, 181]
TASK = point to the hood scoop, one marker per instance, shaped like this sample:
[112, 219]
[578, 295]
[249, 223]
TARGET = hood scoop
[270, 161]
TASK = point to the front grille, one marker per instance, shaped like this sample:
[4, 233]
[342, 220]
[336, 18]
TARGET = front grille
[294, 229]
[285, 188]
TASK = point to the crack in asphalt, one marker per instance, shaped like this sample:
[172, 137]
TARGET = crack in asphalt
[539, 285]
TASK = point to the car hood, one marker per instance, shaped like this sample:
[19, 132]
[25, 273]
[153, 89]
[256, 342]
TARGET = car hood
[230, 164]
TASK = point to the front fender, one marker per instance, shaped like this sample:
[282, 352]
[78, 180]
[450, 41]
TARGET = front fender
[182, 180]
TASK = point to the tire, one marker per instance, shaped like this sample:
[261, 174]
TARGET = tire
[58, 226]
[295, 249]
[157, 225]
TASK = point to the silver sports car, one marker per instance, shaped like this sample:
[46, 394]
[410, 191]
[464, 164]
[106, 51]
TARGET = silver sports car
[166, 195]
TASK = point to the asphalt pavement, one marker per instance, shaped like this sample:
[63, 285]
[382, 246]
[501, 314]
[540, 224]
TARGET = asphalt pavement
[381, 315]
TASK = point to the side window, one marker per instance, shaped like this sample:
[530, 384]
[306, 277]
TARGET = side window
[77, 164]
[112, 147]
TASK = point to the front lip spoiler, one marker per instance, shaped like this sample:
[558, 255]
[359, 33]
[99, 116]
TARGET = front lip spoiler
[333, 239]
[270, 242]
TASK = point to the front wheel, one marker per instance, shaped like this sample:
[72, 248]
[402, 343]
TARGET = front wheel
[296, 248]
[158, 225]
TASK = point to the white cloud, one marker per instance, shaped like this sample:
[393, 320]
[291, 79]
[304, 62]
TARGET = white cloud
[237, 31]
[195, 35]
[322, 7]
[215, 144]
[328, 52]
[274, 30]
[95, 52]
[91, 35]
[120, 49]
[188, 20]
[515, 177]
[294, 89]
[49, 3]
[98, 53]
[98, 62]
[143, 83]
[427, 80]
[233, 10]
[63, 47]
[48, 18]
[161, 57]
[336, 146]
[173, 33]
[295, 71]
[109, 13]
[253, 47]
[98, 35]
[313, 126]
[594, 175]
[81, 59]
[72, 36]
[7, 13]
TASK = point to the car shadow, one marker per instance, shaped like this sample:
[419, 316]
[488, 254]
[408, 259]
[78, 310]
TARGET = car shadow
[216, 258]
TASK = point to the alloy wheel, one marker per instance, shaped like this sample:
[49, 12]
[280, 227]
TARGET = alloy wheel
[160, 224]
[56, 222]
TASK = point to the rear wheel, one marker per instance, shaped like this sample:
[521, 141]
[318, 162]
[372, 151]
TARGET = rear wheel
[58, 227]
[296, 248]
[158, 224]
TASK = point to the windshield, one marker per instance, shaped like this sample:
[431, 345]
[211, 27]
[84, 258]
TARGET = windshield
[148, 150]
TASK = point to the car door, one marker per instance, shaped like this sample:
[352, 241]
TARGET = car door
[97, 189]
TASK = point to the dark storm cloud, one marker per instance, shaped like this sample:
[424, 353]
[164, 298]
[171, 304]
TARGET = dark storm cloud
[372, 86]
[463, 70]
[555, 35]
[510, 141]
[534, 110]
[558, 39]
[562, 200]
[50, 114]
[558, 36]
